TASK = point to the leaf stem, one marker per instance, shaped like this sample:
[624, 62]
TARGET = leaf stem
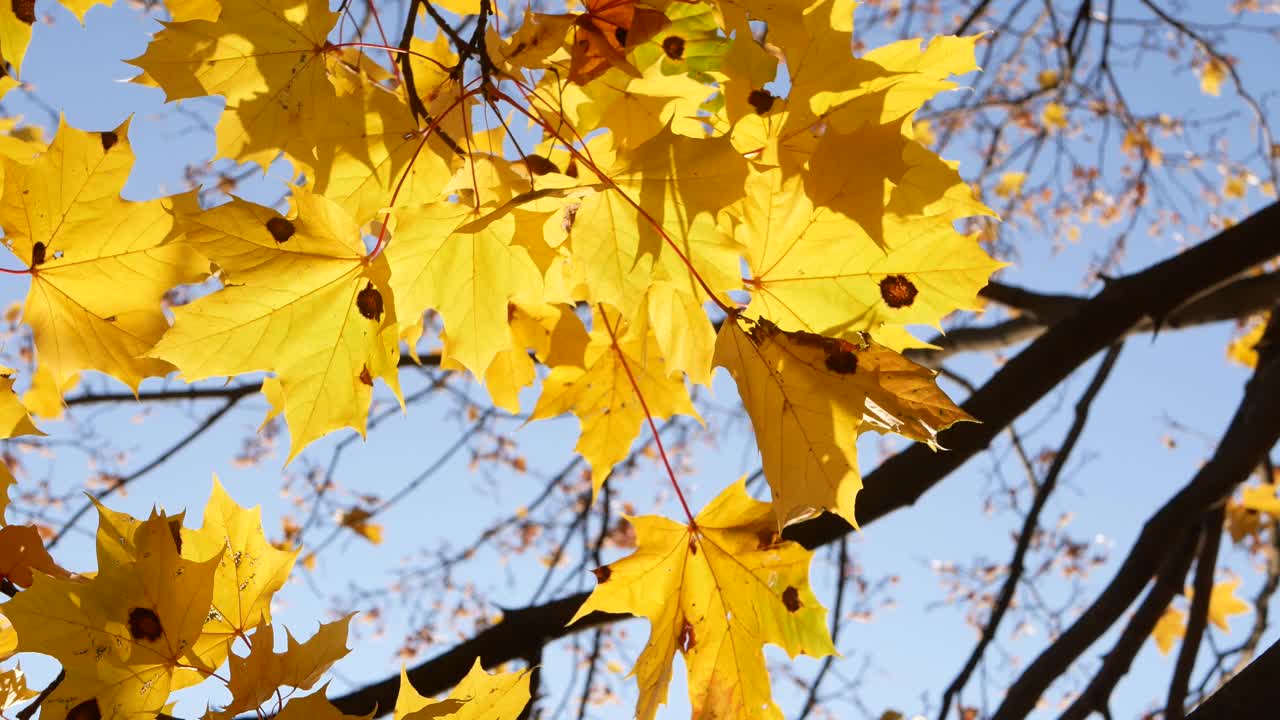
[648, 416]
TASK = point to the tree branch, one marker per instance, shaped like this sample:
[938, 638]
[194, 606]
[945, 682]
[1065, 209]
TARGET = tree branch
[1255, 687]
[1175, 708]
[1097, 695]
[1029, 527]
[902, 479]
[1232, 300]
[1253, 430]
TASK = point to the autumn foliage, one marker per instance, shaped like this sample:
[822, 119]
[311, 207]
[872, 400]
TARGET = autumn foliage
[692, 194]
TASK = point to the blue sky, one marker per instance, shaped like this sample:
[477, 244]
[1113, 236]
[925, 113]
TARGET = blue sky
[1122, 471]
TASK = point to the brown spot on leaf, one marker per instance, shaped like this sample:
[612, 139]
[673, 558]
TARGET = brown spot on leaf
[369, 302]
[791, 599]
[687, 638]
[37, 254]
[539, 165]
[87, 710]
[281, 230]
[365, 377]
[898, 291]
[673, 46]
[144, 624]
[843, 362]
[175, 529]
[572, 169]
[761, 100]
[26, 12]
[109, 140]
[767, 539]
[620, 35]
[693, 544]
[602, 573]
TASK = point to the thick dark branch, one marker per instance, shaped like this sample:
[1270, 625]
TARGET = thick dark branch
[1039, 312]
[1118, 661]
[1175, 708]
[519, 632]
[1252, 693]
[901, 480]
[1030, 526]
[1253, 430]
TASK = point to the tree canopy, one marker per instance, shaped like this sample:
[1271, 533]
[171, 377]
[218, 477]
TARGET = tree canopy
[439, 225]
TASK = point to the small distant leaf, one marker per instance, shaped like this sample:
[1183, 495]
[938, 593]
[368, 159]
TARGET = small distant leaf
[1171, 627]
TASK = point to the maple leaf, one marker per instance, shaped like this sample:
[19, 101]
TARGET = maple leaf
[257, 676]
[479, 696]
[15, 421]
[468, 269]
[316, 707]
[660, 224]
[270, 60]
[250, 571]
[16, 20]
[553, 333]
[1171, 627]
[1262, 498]
[1223, 603]
[21, 551]
[814, 269]
[124, 637]
[896, 183]
[606, 32]
[370, 149]
[717, 593]
[300, 299]
[13, 688]
[99, 265]
[809, 397]
[1243, 349]
[601, 395]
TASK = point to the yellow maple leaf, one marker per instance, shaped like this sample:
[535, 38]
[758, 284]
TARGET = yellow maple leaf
[15, 420]
[1241, 521]
[187, 10]
[1010, 184]
[257, 676]
[124, 637]
[301, 299]
[13, 688]
[1054, 116]
[21, 552]
[1223, 603]
[469, 271]
[250, 571]
[814, 269]
[44, 397]
[480, 696]
[809, 397]
[1212, 73]
[1171, 626]
[357, 519]
[1243, 349]
[896, 183]
[1046, 79]
[553, 333]
[370, 143]
[15, 32]
[670, 186]
[1262, 498]
[717, 593]
[600, 392]
[316, 707]
[99, 267]
[269, 59]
